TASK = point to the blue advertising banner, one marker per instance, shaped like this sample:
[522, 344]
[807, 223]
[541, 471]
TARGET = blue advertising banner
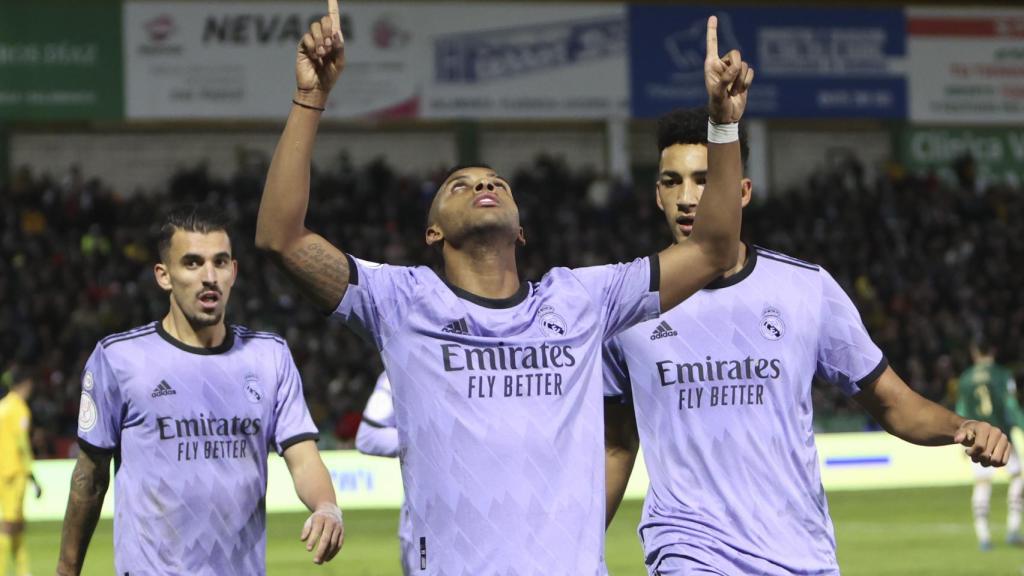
[837, 63]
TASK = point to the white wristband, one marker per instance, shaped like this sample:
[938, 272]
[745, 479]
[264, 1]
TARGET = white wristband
[723, 133]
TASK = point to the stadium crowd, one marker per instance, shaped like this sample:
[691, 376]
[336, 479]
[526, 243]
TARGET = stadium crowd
[928, 265]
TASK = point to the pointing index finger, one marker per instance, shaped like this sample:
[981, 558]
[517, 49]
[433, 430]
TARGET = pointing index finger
[332, 10]
[712, 36]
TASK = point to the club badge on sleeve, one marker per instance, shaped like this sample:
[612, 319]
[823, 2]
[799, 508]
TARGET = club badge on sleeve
[87, 413]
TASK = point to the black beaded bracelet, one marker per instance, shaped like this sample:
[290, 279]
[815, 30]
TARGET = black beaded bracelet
[300, 104]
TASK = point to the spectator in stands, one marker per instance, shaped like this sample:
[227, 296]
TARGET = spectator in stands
[927, 264]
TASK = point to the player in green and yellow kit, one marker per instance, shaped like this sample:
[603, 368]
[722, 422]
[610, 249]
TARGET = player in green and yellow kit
[987, 392]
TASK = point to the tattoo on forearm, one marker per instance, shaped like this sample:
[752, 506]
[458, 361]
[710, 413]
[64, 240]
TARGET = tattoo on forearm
[320, 271]
[88, 487]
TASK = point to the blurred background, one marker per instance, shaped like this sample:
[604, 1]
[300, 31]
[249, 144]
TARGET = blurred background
[887, 144]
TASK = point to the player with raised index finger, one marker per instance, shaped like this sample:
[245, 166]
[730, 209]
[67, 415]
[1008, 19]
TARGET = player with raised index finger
[720, 389]
[496, 381]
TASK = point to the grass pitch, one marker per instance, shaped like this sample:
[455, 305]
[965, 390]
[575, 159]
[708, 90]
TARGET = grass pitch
[924, 532]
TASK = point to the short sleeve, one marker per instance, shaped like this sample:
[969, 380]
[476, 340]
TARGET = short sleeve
[615, 373]
[627, 293]
[847, 357]
[376, 298]
[292, 422]
[101, 409]
[380, 408]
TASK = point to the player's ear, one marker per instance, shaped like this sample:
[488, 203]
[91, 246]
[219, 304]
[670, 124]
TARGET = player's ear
[163, 276]
[521, 237]
[657, 197]
[434, 235]
[746, 191]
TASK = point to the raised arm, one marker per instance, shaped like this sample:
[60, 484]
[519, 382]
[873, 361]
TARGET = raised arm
[714, 244]
[913, 418]
[324, 528]
[318, 267]
[89, 484]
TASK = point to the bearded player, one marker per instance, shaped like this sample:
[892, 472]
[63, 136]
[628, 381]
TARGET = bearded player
[187, 408]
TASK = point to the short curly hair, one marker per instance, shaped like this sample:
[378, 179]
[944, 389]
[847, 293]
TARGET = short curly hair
[690, 126]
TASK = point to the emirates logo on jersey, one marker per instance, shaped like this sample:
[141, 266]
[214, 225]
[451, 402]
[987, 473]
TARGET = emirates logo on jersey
[772, 326]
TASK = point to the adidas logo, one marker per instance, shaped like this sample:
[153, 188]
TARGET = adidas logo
[663, 331]
[163, 389]
[457, 327]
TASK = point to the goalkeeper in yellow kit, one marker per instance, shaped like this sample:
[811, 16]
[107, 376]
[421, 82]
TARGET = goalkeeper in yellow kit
[15, 469]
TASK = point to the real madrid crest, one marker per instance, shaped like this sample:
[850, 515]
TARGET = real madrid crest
[772, 326]
[253, 390]
[552, 323]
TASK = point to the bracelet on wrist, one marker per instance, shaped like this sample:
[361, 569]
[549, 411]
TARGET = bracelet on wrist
[301, 105]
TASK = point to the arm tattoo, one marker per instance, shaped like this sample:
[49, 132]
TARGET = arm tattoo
[320, 271]
[88, 487]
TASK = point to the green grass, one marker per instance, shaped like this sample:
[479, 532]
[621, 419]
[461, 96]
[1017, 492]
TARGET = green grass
[924, 532]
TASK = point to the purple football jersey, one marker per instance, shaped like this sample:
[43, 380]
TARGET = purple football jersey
[721, 387]
[499, 410]
[189, 429]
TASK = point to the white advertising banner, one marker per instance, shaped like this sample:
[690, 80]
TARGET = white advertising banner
[526, 60]
[858, 461]
[966, 65]
[235, 60]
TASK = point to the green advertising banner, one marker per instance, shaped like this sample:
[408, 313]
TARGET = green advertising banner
[60, 61]
[998, 152]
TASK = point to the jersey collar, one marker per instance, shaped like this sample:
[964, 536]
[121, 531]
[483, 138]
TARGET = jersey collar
[495, 303]
[748, 267]
[229, 341]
